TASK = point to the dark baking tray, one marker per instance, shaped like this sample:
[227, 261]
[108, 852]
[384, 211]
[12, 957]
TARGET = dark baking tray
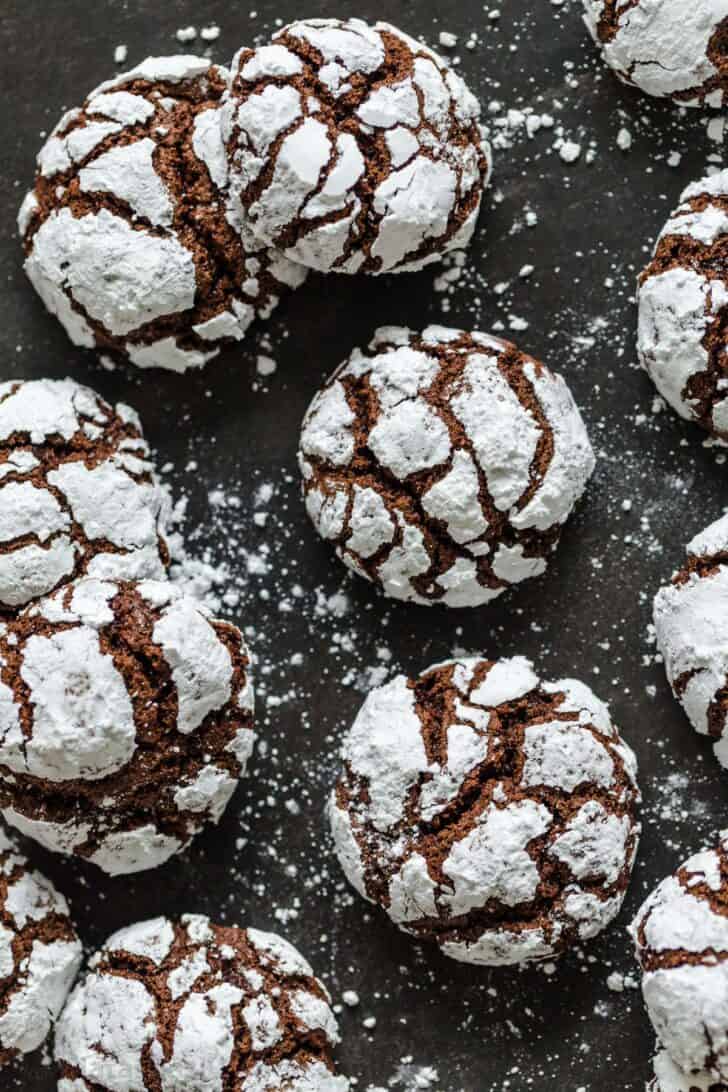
[482, 1030]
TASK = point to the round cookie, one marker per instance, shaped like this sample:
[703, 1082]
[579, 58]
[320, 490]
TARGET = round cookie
[683, 301]
[192, 1005]
[354, 148]
[126, 719]
[128, 235]
[488, 811]
[39, 954]
[667, 48]
[442, 465]
[668, 1078]
[691, 627]
[681, 939]
[78, 494]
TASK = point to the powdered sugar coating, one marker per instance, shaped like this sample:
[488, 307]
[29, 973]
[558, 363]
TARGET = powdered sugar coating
[39, 954]
[124, 703]
[670, 1078]
[130, 238]
[690, 625]
[681, 939]
[442, 465]
[665, 48]
[502, 827]
[354, 148]
[78, 493]
[683, 295]
[195, 1006]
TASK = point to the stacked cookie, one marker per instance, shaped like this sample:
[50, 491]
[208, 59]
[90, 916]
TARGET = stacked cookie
[181, 200]
[126, 710]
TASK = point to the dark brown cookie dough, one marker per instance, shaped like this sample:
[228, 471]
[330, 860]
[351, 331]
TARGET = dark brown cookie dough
[193, 1005]
[127, 231]
[488, 811]
[39, 954]
[442, 465]
[353, 148]
[127, 720]
[78, 494]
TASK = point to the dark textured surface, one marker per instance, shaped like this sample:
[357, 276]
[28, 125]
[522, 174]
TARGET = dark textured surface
[588, 616]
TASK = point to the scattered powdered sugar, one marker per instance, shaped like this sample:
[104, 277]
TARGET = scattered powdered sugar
[318, 634]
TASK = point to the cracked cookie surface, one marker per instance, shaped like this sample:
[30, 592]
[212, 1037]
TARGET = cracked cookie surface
[126, 721]
[681, 940]
[442, 465]
[666, 48]
[190, 1005]
[683, 308]
[691, 626]
[40, 954]
[488, 811]
[129, 236]
[354, 148]
[78, 494]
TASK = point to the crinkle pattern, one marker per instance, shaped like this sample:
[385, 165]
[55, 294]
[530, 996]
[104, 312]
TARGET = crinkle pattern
[129, 235]
[681, 939]
[442, 465]
[683, 307]
[354, 148]
[194, 1007]
[126, 719]
[488, 811]
[667, 48]
[691, 626]
[40, 954]
[78, 493]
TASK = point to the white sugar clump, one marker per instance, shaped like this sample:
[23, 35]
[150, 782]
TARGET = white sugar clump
[432, 751]
[199, 1002]
[78, 492]
[39, 954]
[691, 621]
[78, 705]
[349, 160]
[442, 465]
[665, 48]
[681, 939]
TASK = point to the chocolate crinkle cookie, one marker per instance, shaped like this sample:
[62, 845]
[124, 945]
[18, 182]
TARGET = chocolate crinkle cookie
[39, 954]
[488, 811]
[670, 1078]
[78, 494]
[691, 626]
[668, 48]
[681, 938]
[354, 148]
[185, 1006]
[442, 465]
[128, 232]
[125, 721]
[683, 303]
